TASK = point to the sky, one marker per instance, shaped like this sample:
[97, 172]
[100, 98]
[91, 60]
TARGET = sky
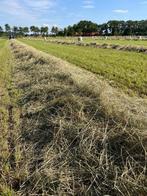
[67, 12]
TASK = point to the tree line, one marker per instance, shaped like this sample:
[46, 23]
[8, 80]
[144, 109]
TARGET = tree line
[22, 31]
[112, 28]
[83, 28]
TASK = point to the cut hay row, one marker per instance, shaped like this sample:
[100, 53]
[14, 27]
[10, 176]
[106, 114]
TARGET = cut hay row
[78, 136]
[130, 48]
[126, 70]
[131, 109]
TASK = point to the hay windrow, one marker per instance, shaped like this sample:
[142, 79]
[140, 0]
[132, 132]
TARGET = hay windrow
[79, 135]
[114, 101]
[140, 49]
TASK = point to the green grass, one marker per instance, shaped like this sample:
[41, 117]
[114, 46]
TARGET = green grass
[123, 69]
[4, 67]
[8, 97]
[2, 43]
[99, 40]
[119, 42]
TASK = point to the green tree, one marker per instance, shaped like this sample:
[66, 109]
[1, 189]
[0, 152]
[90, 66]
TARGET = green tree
[20, 31]
[44, 30]
[54, 30]
[115, 27]
[82, 28]
[15, 29]
[32, 29]
[70, 31]
[25, 30]
[7, 28]
[87, 27]
[1, 29]
[37, 31]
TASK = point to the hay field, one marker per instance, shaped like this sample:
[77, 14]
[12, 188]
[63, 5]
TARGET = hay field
[67, 132]
[102, 40]
[127, 70]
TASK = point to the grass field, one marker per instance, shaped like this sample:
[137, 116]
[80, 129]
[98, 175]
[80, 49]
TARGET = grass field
[2, 42]
[4, 56]
[9, 121]
[123, 69]
[65, 131]
[98, 40]
[120, 42]
[63, 116]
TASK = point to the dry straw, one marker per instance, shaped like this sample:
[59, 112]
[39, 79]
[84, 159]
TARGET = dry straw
[79, 135]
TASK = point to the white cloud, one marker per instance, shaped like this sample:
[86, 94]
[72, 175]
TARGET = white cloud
[40, 4]
[12, 7]
[46, 25]
[27, 11]
[121, 11]
[88, 1]
[88, 4]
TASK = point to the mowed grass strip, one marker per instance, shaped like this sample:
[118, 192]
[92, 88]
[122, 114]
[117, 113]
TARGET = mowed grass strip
[127, 70]
[71, 144]
[12, 171]
[122, 42]
[98, 40]
[2, 43]
[4, 56]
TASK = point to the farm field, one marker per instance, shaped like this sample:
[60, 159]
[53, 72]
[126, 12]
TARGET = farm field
[121, 42]
[4, 57]
[65, 130]
[9, 120]
[2, 42]
[127, 70]
[73, 98]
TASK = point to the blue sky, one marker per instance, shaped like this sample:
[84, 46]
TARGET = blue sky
[66, 12]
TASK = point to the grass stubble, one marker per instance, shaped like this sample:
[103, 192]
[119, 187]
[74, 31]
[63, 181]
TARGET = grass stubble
[126, 70]
[76, 134]
[10, 152]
